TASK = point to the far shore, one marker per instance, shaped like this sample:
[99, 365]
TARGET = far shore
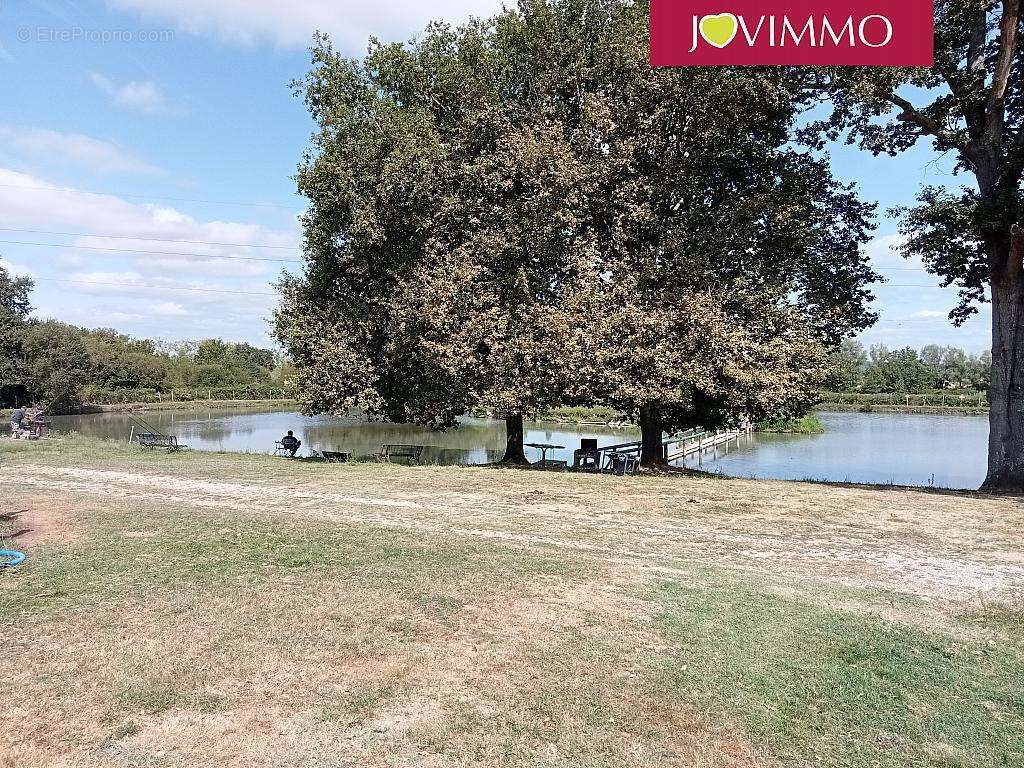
[596, 418]
[951, 410]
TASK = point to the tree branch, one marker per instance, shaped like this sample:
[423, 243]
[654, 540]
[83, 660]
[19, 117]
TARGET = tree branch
[910, 114]
[996, 107]
[969, 94]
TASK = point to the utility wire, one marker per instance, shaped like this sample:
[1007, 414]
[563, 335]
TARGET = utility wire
[151, 239]
[151, 287]
[153, 253]
[148, 197]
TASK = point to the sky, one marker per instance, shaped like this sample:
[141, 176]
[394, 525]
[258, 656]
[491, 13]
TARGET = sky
[148, 150]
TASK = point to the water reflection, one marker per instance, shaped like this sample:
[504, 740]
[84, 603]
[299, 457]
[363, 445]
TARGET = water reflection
[476, 441]
[945, 451]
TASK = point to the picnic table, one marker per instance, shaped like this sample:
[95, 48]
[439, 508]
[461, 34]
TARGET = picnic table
[336, 457]
[544, 448]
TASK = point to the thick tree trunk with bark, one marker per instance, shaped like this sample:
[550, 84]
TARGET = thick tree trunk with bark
[514, 453]
[1006, 390]
[652, 446]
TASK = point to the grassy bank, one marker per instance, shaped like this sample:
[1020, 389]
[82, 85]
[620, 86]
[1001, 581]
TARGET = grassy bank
[224, 609]
[883, 408]
[811, 424]
[189, 405]
[580, 415]
[953, 402]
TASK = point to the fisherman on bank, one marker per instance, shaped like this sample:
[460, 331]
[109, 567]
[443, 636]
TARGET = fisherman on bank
[291, 443]
[17, 417]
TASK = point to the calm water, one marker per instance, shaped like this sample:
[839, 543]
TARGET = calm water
[945, 451]
[905, 449]
[476, 441]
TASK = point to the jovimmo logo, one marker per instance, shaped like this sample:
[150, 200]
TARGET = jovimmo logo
[877, 33]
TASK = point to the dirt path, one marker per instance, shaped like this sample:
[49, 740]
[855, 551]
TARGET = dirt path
[928, 545]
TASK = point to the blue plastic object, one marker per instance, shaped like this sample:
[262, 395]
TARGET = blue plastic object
[9, 558]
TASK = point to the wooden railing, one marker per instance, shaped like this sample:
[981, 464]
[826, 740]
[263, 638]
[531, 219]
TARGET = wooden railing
[688, 443]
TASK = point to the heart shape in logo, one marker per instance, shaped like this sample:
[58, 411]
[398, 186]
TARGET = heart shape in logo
[719, 30]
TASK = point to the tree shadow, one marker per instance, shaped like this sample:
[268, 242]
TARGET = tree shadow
[11, 517]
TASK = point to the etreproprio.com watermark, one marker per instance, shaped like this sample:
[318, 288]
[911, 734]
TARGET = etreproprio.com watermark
[41, 34]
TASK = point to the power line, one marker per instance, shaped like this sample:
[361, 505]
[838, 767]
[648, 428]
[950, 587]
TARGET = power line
[150, 286]
[151, 239]
[153, 253]
[915, 285]
[148, 197]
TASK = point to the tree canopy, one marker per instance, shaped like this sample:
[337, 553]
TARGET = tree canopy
[14, 311]
[515, 213]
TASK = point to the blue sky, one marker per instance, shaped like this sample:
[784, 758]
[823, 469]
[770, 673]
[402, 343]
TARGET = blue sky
[130, 126]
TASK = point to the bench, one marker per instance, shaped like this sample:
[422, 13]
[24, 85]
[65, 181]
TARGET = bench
[622, 463]
[552, 464]
[334, 457]
[168, 442]
[410, 453]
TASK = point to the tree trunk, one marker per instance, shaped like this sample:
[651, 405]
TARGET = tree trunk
[514, 453]
[1006, 389]
[652, 446]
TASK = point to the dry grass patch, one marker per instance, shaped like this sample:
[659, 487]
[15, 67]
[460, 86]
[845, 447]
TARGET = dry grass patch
[318, 646]
[226, 610]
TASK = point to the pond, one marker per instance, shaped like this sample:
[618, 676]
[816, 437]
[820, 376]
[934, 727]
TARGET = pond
[944, 451]
[907, 449]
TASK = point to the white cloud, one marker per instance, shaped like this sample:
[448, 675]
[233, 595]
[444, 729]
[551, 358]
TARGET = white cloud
[882, 251]
[169, 309]
[16, 270]
[193, 289]
[28, 202]
[291, 24]
[929, 314]
[142, 96]
[74, 148]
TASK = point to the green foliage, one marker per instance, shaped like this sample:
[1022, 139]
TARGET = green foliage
[901, 372]
[64, 366]
[954, 369]
[56, 363]
[906, 371]
[849, 363]
[14, 312]
[810, 424]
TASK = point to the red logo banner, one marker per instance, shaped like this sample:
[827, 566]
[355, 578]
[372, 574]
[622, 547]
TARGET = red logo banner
[877, 33]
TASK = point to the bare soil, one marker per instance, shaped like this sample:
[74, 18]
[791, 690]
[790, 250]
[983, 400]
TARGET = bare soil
[929, 544]
[321, 671]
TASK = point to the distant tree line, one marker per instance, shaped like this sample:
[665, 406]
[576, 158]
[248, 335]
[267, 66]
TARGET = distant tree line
[64, 365]
[909, 371]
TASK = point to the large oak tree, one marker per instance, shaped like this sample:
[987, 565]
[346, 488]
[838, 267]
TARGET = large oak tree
[521, 212]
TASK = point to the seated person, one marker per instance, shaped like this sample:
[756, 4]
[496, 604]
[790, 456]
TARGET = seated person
[290, 443]
[17, 417]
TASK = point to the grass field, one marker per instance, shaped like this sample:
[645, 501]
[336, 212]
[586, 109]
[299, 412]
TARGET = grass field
[229, 610]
